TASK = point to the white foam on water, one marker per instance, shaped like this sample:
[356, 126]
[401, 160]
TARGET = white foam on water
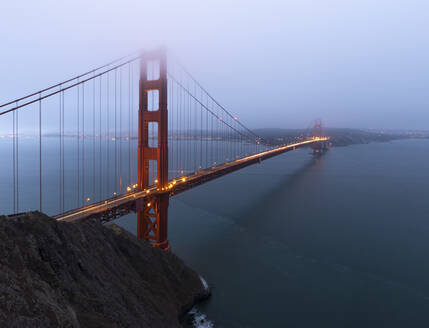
[205, 284]
[200, 319]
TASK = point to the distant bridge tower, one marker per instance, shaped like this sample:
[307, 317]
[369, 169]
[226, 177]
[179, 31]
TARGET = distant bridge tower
[152, 213]
[317, 133]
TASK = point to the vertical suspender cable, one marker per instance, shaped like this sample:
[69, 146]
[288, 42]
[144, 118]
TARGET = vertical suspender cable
[170, 128]
[61, 150]
[229, 140]
[179, 127]
[152, 134]
[83, 143]
[129, 124]
[201, 134]
[185, 133]
[218, 138]
[188, 132]
[195, 128]
[132, 120]
[93, 137]
[183, 128]
[115, 185]
[176, 133]
[17, 161]
[14, 161]
[207, 128]
[183, 109]
[40, 153]
[120, 130]
[78, 148]
[62, 168]
[108, 136]
[99, 146]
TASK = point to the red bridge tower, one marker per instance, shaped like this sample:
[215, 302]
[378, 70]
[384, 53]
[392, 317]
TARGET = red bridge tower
[317, 133]
[152, 212]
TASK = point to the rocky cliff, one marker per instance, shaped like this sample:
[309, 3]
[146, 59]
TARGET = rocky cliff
[59, 274]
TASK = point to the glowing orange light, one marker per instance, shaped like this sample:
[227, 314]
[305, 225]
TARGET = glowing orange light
[148, 204]
[183, 179]
[128, 188]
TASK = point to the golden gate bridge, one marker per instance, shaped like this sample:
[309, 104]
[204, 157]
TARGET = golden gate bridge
[125, 137]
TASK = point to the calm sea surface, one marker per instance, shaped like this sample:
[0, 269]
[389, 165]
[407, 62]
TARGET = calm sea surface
[297, 241]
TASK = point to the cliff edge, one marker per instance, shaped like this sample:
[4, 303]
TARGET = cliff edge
[59, 274]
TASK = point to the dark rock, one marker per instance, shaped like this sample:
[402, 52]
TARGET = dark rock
[59, 274]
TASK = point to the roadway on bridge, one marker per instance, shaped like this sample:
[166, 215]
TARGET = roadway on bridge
[178, 185]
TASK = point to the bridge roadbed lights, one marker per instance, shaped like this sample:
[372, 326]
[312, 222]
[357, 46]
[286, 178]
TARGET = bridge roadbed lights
[126, 203]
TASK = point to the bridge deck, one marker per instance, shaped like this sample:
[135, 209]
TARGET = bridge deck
[125, 203]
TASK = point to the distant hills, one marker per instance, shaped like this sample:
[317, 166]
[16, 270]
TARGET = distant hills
[274, 136]
[339, 136]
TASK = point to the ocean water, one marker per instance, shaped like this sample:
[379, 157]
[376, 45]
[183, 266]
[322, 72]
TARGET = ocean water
[339, 240]
[335, 241]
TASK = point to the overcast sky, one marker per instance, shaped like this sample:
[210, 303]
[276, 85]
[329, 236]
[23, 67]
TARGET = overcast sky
[360, 63]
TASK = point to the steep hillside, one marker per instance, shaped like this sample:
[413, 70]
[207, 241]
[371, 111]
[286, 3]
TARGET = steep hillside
[58, 274]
